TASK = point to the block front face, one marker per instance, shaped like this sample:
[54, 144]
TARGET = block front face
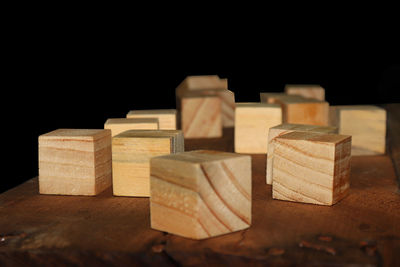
[314, 113]
[118, 126]
[252, 123]
[166, 117]
[74, 162]
[311, 167]
[197, 196]
[201, 117]
[307, 91]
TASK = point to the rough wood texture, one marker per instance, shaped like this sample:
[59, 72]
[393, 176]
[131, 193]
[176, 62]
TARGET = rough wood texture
[118, 126]
[306, 90]
[75, 162]
[166, 117]
[361, 230]
[367, 125]
[200, 194]
[201, 116]
[288, 128]
[252, 122]
[311, 167]
[131, 153]
[203, 82]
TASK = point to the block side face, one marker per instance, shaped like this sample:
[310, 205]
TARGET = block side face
[103, 164]
[227, 107]
[166, 118]
[118, 126]
[307, 91]
[341, 180]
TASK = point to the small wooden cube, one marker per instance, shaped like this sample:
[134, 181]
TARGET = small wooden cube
[118, 126]
[166, 117]
[311, 167]
[252, 122]
[201, 116]
[200, 194]
[366, 124]
[131, 154]
[203, 82]
[306, 90]
[288, 128]
[75, 162]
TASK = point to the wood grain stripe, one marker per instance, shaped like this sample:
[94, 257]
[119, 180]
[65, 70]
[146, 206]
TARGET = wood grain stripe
[234, 181]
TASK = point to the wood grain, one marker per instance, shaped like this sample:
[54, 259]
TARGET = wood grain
[119, 125]
[366, 124]
[200, 194]
[311, 167]
[306, 90]
[288, 128]
[131, 153]
[75, 162]
[166, 117]
[252, 123]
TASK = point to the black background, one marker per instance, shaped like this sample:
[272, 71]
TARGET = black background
[63, 75]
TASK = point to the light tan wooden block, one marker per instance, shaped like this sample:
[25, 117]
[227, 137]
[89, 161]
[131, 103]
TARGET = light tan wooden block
[200, 194]
[74, 162]
[366, 124]
[311, 167]
[288, 128]
[131, 154]
[201, 116]
[166, 117]
[306, 90]
[252, 122]
[203, 82]
[118, 126]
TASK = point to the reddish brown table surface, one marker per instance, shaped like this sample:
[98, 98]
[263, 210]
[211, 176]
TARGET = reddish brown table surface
[361, 230]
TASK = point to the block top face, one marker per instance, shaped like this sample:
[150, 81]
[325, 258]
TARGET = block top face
[76, 134]
[305, 127]
[360, 107]
[303, 86]
[148, 133]
[153, 111]
[201, 156]
[323, 138]
[129, 121]
[256, 105]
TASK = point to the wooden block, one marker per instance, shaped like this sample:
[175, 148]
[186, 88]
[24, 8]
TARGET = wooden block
[252, 122]
[366, 124]
[311, 167]
[288, 128]
[118, 126]
[203, 82]
[131, 153]
[306, 90]
[201, 116]
[166, 117]
[200, 194]
[276, 98]
[74, 162]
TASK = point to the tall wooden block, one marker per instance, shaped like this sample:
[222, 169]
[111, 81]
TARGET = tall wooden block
[306, 90]
[288, 128]
[252, 122]
[200, 194]
[311, 167]
[201, 117]
[131, 154]
[166, 117]
[118, 126]
[74, 162]
[366, 124]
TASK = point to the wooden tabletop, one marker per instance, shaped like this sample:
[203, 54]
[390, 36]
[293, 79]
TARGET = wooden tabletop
[362, 229]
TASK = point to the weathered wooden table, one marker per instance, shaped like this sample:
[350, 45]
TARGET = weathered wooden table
[362, 229]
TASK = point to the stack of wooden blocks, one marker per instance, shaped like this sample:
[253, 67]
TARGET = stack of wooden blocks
[203, 193]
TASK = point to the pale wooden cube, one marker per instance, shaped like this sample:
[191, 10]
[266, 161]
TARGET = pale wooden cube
[201, 116]
[252, 122]
[200, 194]
[306, 90]
[131, 154]
[365, 123]
[166, 117]
[288, 128]
[119, 125]
[311, 167]
[75, 162]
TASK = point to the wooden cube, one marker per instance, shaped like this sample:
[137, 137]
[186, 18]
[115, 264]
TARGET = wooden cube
[306, 90]
[366, 124]
[203, 82]
[201, 116]
[131, 154]
[166, 117]
[118, 126]
[311, 167]
[288, 128]
[252, 122]
[75, 162]
[200, 194]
